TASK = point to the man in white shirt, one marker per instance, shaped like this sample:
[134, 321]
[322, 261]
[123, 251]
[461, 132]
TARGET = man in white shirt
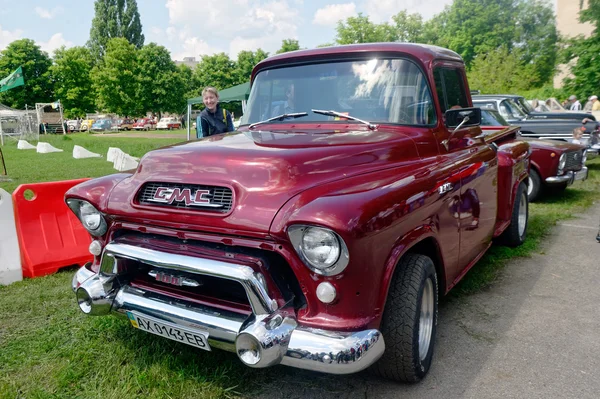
[575, 104]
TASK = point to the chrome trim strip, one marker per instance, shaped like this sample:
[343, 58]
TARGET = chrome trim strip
[257, 293]
[567, 177]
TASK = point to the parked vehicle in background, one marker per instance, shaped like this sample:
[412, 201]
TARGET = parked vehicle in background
[123, 124]
[144, 124]
[102, 125]
[559, 129]
[168, 123]
[530, 113]
[311, 237]
[554, 165]
[73, 125]
[86, 124]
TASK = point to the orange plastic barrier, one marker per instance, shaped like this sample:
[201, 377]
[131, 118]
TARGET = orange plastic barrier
[50, 235]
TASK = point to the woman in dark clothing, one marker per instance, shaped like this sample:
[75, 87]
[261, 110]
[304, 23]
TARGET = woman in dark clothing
[214, 119]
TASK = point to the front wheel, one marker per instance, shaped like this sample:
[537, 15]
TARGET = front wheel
[409, 320]
[535, 185]
[515, 233]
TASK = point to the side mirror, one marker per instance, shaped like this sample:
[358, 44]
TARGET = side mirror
[463, 117]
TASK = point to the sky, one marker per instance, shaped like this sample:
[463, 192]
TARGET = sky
[190, 28]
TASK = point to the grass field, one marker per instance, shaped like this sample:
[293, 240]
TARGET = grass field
[49, 349]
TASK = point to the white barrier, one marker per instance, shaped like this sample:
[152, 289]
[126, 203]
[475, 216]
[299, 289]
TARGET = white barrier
[10, 257]
[80, 153]
[113, 153]
[125, 162]
[45, 148]
[24, 145]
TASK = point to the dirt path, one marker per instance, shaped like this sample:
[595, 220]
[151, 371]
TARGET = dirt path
[534, 334]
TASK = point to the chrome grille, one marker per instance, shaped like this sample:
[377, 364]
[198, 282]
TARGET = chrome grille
[573, 161]
[219, 199]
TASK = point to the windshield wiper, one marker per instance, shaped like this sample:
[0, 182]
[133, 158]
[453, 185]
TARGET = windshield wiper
[279, 118]
[346, 116]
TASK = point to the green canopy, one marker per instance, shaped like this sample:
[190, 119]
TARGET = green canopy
[235, 93]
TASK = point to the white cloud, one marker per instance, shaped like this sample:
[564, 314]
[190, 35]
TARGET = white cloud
[56, 41]
[48, 14]
[383, 10]
[331, 14]
[7, 37]
[256, 23]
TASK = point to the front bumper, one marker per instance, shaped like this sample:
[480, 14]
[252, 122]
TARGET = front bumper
[569, 177]
[274, 334]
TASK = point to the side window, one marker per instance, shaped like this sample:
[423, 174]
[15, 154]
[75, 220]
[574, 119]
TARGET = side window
[450, 88]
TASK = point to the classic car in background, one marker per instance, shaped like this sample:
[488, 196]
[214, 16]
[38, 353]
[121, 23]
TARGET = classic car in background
[144, 124]
[554, 164]
[102, 125]
[73, 125]
[531, 113]
[168, 123]
[86, 124]
[123, 124]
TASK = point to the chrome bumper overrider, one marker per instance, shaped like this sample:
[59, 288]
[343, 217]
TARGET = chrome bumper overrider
[569, 177]
[267, 337]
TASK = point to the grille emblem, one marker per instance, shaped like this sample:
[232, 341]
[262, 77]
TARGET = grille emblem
[169, 195]
[173, 279]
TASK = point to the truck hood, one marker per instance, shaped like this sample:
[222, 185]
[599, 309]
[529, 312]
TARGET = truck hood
[262, 169]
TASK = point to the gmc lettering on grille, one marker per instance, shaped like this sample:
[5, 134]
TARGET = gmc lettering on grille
[168, 195]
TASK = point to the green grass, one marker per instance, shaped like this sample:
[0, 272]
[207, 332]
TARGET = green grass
[49, 349]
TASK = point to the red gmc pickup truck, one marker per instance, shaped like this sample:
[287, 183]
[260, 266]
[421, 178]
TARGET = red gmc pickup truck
[357, 191]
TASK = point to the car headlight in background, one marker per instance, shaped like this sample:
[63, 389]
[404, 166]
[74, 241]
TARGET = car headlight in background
[321, 249]
[93, 221]
[562, 161]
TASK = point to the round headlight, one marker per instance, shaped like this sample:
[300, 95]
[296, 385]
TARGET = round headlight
[321, 247]
[562, 162]
[584, 158]
[90, 217]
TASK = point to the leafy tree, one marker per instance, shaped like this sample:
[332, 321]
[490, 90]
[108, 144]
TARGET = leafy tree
[360, 29]
[215, 70]
[584, 54]
[72, 81]
[115, 18]
[115, 79]
[288, 45]
[186, 76]
[36, 64]
[161, 87]
[501, 71]
[245, 63]
[408, 27]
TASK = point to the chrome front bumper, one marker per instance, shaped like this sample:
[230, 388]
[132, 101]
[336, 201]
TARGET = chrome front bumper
[269, 336]
[569, 177]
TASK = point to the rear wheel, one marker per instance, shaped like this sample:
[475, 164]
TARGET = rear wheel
[409, 320]
[515, 233]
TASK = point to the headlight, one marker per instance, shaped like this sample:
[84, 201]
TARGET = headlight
[562, 161]
[321, 249]
[90, 217]
[584, 157]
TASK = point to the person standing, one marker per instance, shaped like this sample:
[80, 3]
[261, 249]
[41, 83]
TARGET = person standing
[575, 104]
[595, 103]
[213, 119]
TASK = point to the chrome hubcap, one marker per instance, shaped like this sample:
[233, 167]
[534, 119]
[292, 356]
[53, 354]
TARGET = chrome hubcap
[522, 214]
[529, 186]
[426, 319]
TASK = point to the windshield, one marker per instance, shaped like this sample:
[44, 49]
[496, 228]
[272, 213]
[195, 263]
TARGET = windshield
[375, 90]
[509, 110]
[491, 117]
[525, 105]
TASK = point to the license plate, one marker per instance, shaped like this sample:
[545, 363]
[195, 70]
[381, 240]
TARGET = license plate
[168, 330]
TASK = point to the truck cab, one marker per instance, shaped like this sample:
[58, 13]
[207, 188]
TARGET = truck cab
[358, 189]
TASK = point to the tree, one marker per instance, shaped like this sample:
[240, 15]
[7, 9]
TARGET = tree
[36, 64]
[408, 27]
[245, 63]
[360, 29]
[215, 70]
[115, 18]
[584, 54]
[116, 81]
[72, 81]
[501, 71]
[186, 76]
[288, 45]
[160, 85]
